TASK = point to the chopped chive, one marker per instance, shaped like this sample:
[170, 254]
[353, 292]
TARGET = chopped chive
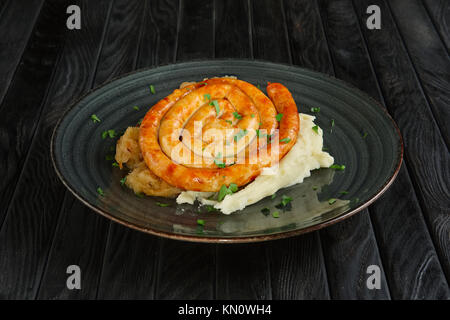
[229, 121]
[115, 164]
[207, 96]
[109, 157]
[273, 196]
[122, 181]
[325, 149]
[224, 191]
[233, 187]
[200, 222]
[276, 214]
[286, 140]
[100, 191]
[104, 134]
[260, 124]
[364, 135]
[279, 116]
[265, 211]
[240, 135]
[162, 204]
[315, 188]
[338, 167]
[315, 109]
[237, 115]
[316, 129]
[216, 105]
[152, 89]
[95, 118]
[343, 192]
[210, 208]
[136, 108]
[331, 201]
[332, 122]
[218, 161]
[140, 122]
[252, 115]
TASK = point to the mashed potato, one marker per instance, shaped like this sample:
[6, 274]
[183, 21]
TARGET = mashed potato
[305, 156]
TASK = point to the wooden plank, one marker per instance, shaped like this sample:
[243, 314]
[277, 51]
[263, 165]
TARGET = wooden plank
[439, 12]
[350, 247]
[186, 270]
[426, 154]
[118, 56]
[25, 237]
[196, 30]
[429, 56]
[21, 112]
[16, 25]
[300, 258]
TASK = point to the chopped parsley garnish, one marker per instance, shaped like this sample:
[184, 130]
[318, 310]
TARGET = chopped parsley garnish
[343, 192]
[200, 222]
[273, 196]
[276, 214]
[252, 115]
[207, 96]
[265, 211]
[162, 204]
[218, 161]
[216, 105]
[100, 191]
[286, 140]
[111, 133]
[332, 122]
[279, 116]
[325, 149]
[315, 109]
[140, 122]
[315, 188]
[331, 201]
[136, 108]
[95, 118]
[364, 135]
[152, 89]
[210, 208]
[338, 167]
[240, 135]
[224, 190]
[316, 129]
[122, 181]
[237, 115]
[229, 121]
[115, 164]
[285, 200]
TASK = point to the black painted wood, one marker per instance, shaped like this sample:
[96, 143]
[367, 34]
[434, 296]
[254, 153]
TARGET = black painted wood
[27, 232]
[426, 155]
[439, 11]
[118, 56]
[16, 25]
[21, 112]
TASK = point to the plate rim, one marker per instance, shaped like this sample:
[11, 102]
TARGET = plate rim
[239, 239]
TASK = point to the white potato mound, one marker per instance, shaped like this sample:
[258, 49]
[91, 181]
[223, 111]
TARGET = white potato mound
[140, 179]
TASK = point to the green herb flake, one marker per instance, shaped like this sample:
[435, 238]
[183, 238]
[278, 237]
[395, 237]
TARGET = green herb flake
[285, 200]
[252, 115]
[279, 116]
[258, 86]
[315, 188]
[316, 129]
[207, 96]
[233, 187]
[315, 109]
[276, 214]
[216, 105]
[331, 201]
[286, 140]
[343, 192]
[240, 135]
[104, 134]
[115, 164]
[325, 149]
[136, 108]
[100, 191]
[140, 122]
[229, 121]
[332, 122]
[210, 208]
[152, 89]
[237, 115]
[160, 204]
[95, 119]
[224, 190]
[340, 167]
[273, 196]
[364, 135]
[218, 161]
[200, 222]
[122, 181]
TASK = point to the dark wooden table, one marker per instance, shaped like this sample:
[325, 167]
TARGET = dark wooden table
[44, 67]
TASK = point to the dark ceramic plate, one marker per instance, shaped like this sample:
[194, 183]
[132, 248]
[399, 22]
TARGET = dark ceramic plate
[364, 138]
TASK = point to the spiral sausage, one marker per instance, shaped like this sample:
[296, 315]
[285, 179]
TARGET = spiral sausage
[181, 134]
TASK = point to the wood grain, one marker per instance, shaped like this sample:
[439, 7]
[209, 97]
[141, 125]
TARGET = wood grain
[118, 55]
[439, 12]
[426, 155]
[21, 112]
[27, 233]
[429, 56]
[195, 30]
[16, 25]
